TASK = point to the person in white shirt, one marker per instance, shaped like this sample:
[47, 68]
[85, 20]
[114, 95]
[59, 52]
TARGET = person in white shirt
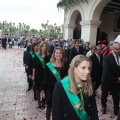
[91, 51]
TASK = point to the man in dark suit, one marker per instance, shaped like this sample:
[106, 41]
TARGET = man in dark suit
[76, 50]
[4, 41]
[96, 73]
[111, 78]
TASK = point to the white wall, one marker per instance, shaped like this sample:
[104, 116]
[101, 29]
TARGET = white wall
[107, 25]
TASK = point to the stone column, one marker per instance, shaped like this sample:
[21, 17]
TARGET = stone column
[68, 31]
[89, 31]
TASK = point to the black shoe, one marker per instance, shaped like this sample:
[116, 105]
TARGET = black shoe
[103, 110]
[116, 113]
[29, 89]
[40, 106]
[43, 103]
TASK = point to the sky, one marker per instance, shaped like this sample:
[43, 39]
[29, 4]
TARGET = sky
[31, 12]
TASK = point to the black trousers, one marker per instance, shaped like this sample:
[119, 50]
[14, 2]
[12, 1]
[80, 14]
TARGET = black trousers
[30, 83]
[4, 45]
[26, 70]
[115, 88]
[10, 45]
[96, 83]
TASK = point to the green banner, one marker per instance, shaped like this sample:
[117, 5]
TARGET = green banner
[32, 54]
[54, 71]
[41, 59]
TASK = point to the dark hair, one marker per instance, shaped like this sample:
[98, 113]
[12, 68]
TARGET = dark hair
[40, 47]
[35, 38]
[76, 41]
[33, 45]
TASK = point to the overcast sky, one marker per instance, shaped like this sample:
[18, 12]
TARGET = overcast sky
[31, 12]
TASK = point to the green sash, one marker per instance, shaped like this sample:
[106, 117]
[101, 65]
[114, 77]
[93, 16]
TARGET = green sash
[32, 54]
[25, 50]
[41, 59]
[74, 100]
[54, 71]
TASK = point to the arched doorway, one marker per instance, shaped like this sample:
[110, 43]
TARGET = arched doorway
[91, 19]
[72, 23]
[77, 29]
[110, 16]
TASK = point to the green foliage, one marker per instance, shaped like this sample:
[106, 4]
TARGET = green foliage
[51, 30]
[68, 3]
[33, 31]
[23, 29]
[11, 28]
[53, 35]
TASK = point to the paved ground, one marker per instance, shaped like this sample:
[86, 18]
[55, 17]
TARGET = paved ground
[15, 103]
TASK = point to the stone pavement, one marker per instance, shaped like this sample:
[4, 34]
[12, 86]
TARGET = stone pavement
[15, 103]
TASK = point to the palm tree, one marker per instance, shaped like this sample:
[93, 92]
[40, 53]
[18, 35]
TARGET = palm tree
[68, 3]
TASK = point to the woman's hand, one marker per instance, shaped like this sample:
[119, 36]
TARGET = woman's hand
[26, 67]
[43, 94]
[33, 78]
[30, 76]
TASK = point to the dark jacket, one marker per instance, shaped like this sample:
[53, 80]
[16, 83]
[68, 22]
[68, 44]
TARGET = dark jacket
[24, 58]
[39, 70]
[73, 52]
[30, 64]
[28, 50]
[96, 67]
[63, 110]
[51, 49]
[111, 71]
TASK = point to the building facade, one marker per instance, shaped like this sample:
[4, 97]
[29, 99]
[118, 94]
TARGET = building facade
[87, 20]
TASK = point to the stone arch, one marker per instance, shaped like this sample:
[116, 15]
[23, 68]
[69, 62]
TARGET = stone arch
[72, 15]
[97, 8]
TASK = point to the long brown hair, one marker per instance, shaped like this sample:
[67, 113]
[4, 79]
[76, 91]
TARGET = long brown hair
[33, 45]
[53, 59]
[87, 86]
[40, 48]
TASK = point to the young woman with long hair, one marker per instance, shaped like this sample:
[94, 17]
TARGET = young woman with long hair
[40, 60]
[55, 70]
[30, 63]
[73, 97]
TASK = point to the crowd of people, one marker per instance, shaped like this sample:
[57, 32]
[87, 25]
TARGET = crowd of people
[51, 63]
[65, 76]
[11, 41]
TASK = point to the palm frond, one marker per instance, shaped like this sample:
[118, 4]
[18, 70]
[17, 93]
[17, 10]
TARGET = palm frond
[69, 3]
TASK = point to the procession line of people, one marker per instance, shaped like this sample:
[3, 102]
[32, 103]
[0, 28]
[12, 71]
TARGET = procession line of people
[65, 81]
